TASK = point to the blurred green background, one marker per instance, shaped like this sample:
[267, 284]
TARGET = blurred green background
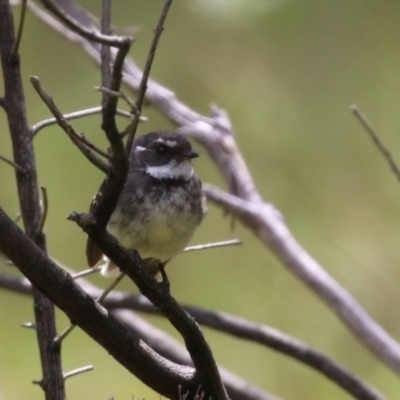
[287, 72]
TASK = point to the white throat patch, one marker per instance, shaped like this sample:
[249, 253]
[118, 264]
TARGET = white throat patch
[172, 170]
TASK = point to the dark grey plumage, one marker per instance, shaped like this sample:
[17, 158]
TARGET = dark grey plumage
[162, 202]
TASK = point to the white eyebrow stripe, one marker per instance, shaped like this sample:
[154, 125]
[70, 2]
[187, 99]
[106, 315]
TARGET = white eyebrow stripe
[140, 148]
[170, 143]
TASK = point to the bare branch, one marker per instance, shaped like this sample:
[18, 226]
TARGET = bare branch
[106, 292]
[96, 149]
[99, 299]
[127, 349]
[375, 138]
[223, 322]
[131, 264]
[165, 345]
[78, 371]
[233, 242]
[237, 387]
[105, 50]
[75, 138]
[269, 226]
[59, 338]
[77, 114]
[28, 194]
[20, 27]
[146, 72]
[120, 94]
[12, 163]
[90, 34]
[87, 272]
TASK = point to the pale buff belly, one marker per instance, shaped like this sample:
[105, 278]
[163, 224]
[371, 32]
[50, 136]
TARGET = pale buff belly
[160, 232]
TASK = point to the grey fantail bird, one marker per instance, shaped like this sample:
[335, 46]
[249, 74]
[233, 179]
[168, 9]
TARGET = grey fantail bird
[161, 204]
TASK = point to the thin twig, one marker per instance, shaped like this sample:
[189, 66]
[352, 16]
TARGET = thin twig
[105, 50]
[44, 211]
[12, 163]
[233, 242]
[107, 291]
[93, 147]
[119, 94]
[146, 72]
[90, 34]
[20, 27]
[77, 114]
[100, 299]
[112, 185]
[87, 272]
[76, 139]
[376, 140]
[59, 338]
[78, 371]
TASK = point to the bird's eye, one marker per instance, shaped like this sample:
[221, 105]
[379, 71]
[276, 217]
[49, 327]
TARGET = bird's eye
[161, 150]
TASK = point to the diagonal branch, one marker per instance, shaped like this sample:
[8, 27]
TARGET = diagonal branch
[20, 27]
[223, 322]
[154, 370]
[377, 142]
[68, 129]
[131, 264]
[269, 226]
[12, 163]
[90, 34]
[119, 303]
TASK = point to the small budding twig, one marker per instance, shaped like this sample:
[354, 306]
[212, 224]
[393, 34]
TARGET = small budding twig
[77, 371]
[376, 140]
[45, 210]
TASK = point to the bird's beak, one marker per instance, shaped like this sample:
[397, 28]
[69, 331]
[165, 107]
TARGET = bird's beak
[190, 154]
